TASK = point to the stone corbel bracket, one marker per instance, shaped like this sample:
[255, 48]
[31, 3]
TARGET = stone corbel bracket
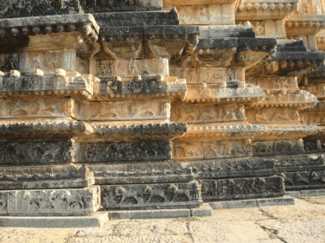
[46, 177]
[304, 25]
[293, 63]
[171, 42]
[315, 78]
[247, 93]
[300, 99]
[227, 52]
[251, 51]
[80, 32]
[62, 83]
[143, 87]
[108, 131]
[290, 59]
[261, 9]
[220, 132]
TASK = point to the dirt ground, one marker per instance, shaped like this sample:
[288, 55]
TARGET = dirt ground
[303, 222]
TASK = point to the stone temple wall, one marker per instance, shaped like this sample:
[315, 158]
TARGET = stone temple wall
[139, 104]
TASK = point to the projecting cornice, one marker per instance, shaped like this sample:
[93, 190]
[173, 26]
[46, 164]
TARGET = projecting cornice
[266, 9]
[298, 25]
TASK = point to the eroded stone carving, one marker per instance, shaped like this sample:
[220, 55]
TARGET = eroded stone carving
[44, 177]
[50, 202]
[211, 149]
[124, 151]
[167, 108]
[36, 152]
[242, 188]
[151, 195]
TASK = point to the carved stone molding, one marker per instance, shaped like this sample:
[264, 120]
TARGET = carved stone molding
[167, 195]
[242, 188]
[14, 9]
[304, 25]
[290, 59]
[300, 99]
[130, 68]
[208, 75]
[246, 93]
[224, 52]
[142, 173]
[124, 110]
[230, 168]
[59, 84]
[278, 147]
[171, 42]
[270, 9]
[121, 5]
[45, 177]
[36, 152]
[68, 30]
[218, 131]
[25, 107]
[50, 202]
[150, 131]
[31, 128]
[183, 150]
[138, 87]
[123, 151]
[272, 115]
[301, 180]
[275, 83]
[208, 112]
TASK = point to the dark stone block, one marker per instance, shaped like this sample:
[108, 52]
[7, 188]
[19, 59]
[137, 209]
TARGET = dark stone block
[144, 132]
[15, 9]
[291, 46]
[308, 179]
[242, 188]
[137, 196]
[141, 173]
[45, 177]
[300, 162]
[36, 152]
[123, 151]
[226, 168]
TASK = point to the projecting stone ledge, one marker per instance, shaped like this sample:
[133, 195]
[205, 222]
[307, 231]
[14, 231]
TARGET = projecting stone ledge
[94, 221]
[84, 23]
[203, 211]
[248, 203]
[45, 177]
[59, 84]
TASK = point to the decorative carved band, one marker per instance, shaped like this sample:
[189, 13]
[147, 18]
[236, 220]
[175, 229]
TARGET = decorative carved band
[167, 195]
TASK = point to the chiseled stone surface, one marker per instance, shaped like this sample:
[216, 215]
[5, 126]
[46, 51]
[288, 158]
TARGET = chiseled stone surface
[168, 103]
[50, 202]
